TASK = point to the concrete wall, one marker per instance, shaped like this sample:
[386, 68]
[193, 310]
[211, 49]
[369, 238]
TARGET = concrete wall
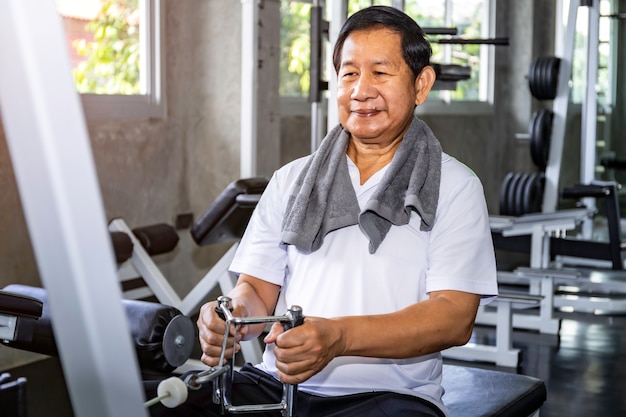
[150, 171]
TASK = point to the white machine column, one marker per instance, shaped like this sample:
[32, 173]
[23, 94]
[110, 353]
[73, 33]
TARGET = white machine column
[52, 160]
[249, 89]
[339, 13]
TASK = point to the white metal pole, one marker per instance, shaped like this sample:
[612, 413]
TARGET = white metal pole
[249, 91]
[339, 13]
[559, 107]
[590, 111]
[55, 173]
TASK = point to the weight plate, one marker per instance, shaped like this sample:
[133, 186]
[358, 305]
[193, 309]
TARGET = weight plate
[541, 69]
[503, 193]
[519, 193]
[178, 340]
[540, 132]
[510, 197]
[553, 77]
[532, 79]
[533, 194]
[543, 77]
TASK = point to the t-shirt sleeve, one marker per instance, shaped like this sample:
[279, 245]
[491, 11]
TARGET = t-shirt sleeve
[461, 255]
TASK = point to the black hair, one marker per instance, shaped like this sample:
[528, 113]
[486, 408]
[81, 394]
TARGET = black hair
[416, 50]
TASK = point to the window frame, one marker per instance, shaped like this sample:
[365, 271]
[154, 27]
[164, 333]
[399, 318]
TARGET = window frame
[151, 102]
[298, 105]
[484, 105]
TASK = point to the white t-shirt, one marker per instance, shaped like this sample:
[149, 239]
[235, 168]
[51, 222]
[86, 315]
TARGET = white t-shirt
[342, 278]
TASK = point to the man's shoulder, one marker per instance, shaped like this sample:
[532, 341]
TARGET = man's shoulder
[453, 167]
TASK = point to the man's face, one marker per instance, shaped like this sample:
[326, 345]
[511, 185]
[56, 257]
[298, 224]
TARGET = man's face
[376, 93]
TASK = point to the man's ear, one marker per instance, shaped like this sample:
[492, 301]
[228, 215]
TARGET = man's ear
[423, 83]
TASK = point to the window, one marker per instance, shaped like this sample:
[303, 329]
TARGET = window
[471, 18]
[606, 65]
[115, 50]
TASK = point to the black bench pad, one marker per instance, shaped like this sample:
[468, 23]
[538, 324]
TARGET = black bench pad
[227, 218]
[162, 335]
[475, 392]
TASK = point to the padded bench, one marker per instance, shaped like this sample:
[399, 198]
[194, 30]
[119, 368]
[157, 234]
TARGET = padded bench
[476, 392]
[162, 336]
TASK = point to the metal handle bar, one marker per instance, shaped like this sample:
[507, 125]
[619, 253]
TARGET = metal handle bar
[221, 376]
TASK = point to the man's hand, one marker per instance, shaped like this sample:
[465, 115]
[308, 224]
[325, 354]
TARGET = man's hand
[303, 351]
[211, 330]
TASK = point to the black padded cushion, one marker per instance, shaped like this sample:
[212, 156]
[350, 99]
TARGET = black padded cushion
[154, 340]
[20, 305]
[157, 238]
[475, 392]
[122, 246]
[227, 218]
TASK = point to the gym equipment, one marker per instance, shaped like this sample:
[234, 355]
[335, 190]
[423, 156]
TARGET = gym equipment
[170, 394]
[559, 264]
[540, 131]
[163, 337]
[567, 249]
[560, 106]
[449, 74]
[469, 392]
[475, 392]
[154, 240]
[227, 218]
[12, 395]
[521, 193]
[43, 118]
[476, 41]
[534, 233]
[543, 77]
[611, 250]
[223, 222]
[14, 309]
[502, 394]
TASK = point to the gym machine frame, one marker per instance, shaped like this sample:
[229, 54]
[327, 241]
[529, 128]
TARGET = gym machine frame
[170, 391]
[43, 119]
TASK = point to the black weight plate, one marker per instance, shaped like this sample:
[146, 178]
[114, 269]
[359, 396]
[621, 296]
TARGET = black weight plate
[519, 193]
[534, 131]
[503, 193]
[546, 134]
[540, 133]
[533, 195]
[532, 78]
[535, 86]
[532, 127]
[545, 78]
[510, 197]
[541, 87]
[537, 78]
[553, 77]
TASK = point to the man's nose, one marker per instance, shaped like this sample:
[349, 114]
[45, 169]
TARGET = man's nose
[363, 88]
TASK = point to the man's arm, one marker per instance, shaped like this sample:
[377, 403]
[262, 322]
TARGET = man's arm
[251, 297]
[445, 319]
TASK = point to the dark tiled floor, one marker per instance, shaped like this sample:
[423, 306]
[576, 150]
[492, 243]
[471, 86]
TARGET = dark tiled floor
[584, 369]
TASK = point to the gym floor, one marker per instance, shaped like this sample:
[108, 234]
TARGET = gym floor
[584, 369]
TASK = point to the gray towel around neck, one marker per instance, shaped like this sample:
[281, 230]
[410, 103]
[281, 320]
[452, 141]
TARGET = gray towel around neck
[323, 198]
